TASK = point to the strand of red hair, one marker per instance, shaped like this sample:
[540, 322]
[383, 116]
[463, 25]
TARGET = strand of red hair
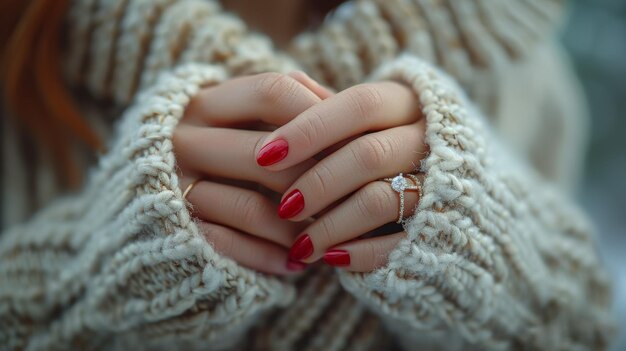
[34, 90]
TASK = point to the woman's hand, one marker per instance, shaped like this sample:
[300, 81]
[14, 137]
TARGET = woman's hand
[390, 112]
[237, 219]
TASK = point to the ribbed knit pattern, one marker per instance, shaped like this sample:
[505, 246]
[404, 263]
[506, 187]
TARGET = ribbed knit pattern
[463, 37]
[118, 46]
[495, 257]
[125, 255]
[492, 252]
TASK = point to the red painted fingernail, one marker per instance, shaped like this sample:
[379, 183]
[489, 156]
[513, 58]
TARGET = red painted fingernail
[291, 205]
[301, 249]
[295, 266]
[272, 152]
[337, 258]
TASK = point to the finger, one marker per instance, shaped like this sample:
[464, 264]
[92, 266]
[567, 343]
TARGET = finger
[304, 79]
[363, 255]
[248, 251]
[369, 208]
[228, 153]
[241, 209]
[273, 98]
[358, 109]
[328, 151]
[371, 157]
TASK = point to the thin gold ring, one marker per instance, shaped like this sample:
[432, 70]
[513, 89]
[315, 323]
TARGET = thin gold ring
[399, 184]
[189, 187]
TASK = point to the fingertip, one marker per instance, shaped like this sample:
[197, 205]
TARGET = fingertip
[291, 205]
[301, 249]
[295, 266]
[272, 152]
[337, 258]
[364, 255]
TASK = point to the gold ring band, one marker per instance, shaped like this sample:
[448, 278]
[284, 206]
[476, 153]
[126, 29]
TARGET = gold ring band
[189, 187]
[399, 184]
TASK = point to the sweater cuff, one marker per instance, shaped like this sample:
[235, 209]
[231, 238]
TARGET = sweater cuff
[492, 254]
[124, 257]
[463, 37]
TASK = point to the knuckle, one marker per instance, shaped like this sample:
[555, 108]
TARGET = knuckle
[366, 100]
[374, 152]
[310, 128]
[318, 179]
[247, 206]
[273, 87]
[326, 233]
[374, 201]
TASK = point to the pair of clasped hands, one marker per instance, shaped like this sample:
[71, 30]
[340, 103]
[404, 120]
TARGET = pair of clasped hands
[325, 152]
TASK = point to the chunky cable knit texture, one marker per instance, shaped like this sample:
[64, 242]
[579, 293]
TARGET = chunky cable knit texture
[493, 252]
[125, 254]
[495, 258]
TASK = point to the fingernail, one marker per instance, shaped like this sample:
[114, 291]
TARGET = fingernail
[272, 152]
[301, 249]
[295, 266]
[337, 258]
[291, 205]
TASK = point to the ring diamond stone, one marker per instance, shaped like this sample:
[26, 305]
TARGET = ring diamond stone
[402, 183]
[399, 183]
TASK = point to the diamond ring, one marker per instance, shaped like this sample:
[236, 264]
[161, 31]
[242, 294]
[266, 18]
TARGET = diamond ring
[402, 183]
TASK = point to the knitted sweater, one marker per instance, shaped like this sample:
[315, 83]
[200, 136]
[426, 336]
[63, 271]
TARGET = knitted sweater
[497, 256]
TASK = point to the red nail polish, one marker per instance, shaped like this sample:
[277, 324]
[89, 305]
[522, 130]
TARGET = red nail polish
[301, 249]
[295, 266]
[337, 258]
[272, 152]
[291, 205]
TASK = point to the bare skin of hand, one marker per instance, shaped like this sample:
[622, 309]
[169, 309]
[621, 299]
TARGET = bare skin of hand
[384, 123]
[326, 156]
[213, 144]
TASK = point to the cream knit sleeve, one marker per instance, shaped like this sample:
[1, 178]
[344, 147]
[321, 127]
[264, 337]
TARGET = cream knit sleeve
[116, 48]
[122, 262]
[463, 37]
[495, 258]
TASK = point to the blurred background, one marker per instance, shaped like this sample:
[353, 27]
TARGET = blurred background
[596, 38]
